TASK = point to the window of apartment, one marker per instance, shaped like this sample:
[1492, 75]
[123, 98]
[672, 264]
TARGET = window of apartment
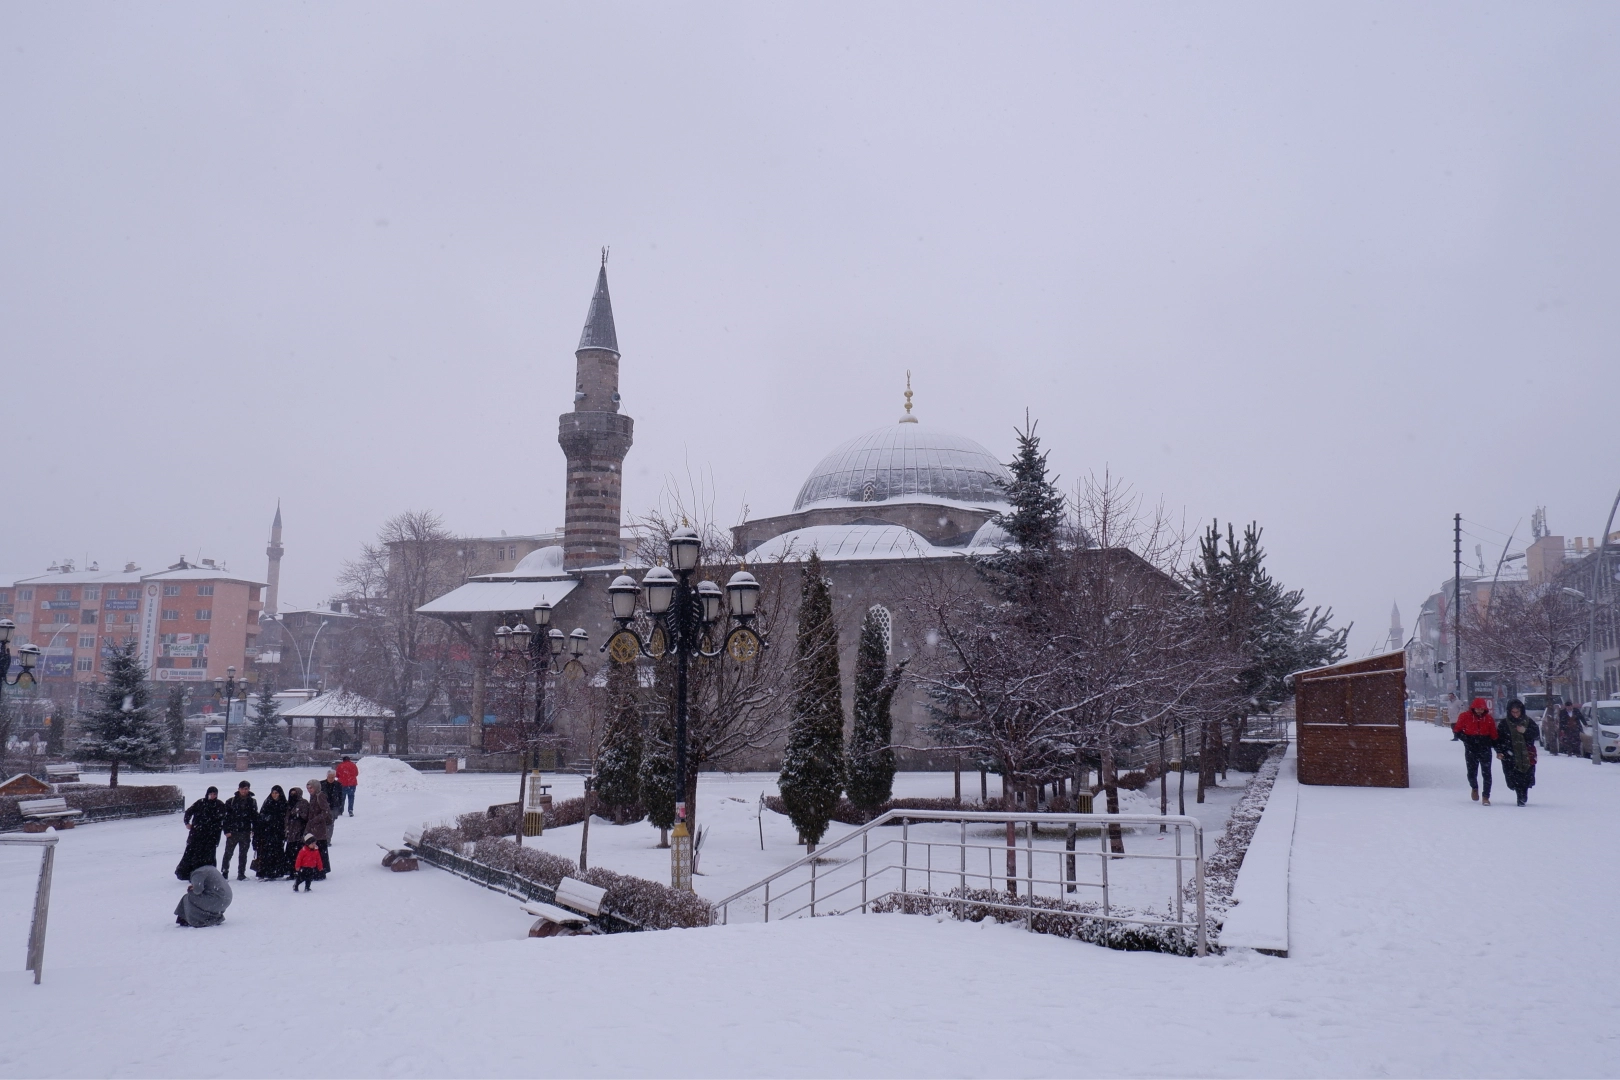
[5, 597]
[64, 594]
[165, 661]
[167, 639]
[199, 661]
[87, 641]
[171, 615]
[171, 590]
[205, 590]
[200, 639]
[92, 592]
[129, 616]
[62, 616]
[204, 614]
[25, 594]
[87, 664]
[88, 615]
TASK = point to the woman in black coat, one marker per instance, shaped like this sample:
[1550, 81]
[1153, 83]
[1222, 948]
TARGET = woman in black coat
[1516, 748]
[205, 818]
[270, 838]
[297, 819]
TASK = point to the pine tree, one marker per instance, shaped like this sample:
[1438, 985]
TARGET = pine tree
[120, 730]
[618, 766]
[265, 732]
[657, 775]
[871, 744]
[174, 720]
[1033, 524]
[812, 775]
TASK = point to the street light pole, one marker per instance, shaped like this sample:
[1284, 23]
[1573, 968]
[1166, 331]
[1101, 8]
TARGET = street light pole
[27, 656]
[539, 648]
[232, 688]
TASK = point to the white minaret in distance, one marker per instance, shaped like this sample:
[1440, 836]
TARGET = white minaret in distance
[1397, 636]
[273, 575]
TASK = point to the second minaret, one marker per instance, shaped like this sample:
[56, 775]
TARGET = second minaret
[595, 438]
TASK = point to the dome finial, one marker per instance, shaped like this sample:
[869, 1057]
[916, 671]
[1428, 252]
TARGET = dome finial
[908, 418]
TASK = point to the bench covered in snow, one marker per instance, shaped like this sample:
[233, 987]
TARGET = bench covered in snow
[67, 773]
[580, 896]
[54, 811]
[553, 921]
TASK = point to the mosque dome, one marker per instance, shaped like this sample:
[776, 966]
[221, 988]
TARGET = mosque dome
[906, 461]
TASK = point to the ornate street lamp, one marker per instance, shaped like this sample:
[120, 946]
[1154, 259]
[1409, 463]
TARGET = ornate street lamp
[539, 648]
[681, 615]
[229, 688]
[27, 657]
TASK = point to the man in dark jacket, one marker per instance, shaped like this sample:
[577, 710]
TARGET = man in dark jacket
[241, 814]
[1477, 730]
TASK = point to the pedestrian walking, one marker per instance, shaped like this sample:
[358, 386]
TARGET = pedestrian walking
[320, 824]
[241, 815]
[205, 818]
[348, 774]
[270, 836]
[307, 867]
[1569, 722]
[1476, 729]
[297, 822]
[1516, 750]
[206, 899]
[332, 788]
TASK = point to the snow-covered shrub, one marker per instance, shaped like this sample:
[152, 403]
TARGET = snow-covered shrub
[1080, 921]
[1221, 868]
[99, 802]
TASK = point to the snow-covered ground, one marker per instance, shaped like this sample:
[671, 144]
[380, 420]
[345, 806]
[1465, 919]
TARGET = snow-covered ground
[1431, 936]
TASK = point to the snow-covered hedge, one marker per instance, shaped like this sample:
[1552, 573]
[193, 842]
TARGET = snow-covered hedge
[651, 904]
[1221, 868]
[101, 803]
[1052, 916]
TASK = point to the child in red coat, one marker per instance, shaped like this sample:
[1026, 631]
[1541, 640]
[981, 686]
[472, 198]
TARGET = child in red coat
[307, 865]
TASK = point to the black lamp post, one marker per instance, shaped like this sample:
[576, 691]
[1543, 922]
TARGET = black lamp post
[680, 613]
[27, 657]
[229, 688]
[541, 648]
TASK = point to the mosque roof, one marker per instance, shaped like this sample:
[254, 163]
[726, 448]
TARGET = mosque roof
[909, 462]
[838, 543]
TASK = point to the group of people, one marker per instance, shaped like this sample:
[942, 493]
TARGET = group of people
[290, 836]
[1512, 740]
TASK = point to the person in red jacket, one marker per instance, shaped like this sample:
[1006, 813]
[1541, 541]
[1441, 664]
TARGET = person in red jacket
[348, 775]
[308, 864]
[1476, 728]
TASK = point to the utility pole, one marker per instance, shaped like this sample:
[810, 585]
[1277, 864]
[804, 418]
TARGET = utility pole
[1456, 606]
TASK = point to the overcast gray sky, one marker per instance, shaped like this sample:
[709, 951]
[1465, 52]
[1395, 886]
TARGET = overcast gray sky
[1340, 269]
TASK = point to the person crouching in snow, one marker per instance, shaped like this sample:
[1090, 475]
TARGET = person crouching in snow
[308, 864]
[1477, 730]
[206, 899]
[1516, 749]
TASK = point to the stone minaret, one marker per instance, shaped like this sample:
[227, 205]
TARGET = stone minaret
[273, 574]
[595, 437]
[1396, 638]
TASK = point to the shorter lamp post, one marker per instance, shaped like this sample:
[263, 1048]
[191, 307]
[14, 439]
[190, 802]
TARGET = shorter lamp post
[27, 657]
[680, 614]
[540, 648]
[229, 688]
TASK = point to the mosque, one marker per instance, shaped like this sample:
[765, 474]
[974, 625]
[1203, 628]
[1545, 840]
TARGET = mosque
[878, 510]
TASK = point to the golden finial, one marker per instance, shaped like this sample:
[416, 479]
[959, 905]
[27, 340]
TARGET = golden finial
[908, 418]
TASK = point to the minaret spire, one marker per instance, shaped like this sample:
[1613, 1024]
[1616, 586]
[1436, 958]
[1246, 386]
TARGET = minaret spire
[595, 438]
[907, 418]
[273, 574]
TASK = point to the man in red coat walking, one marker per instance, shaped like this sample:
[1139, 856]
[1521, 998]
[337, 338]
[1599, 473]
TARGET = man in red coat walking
[1476, 728]
[348, 775]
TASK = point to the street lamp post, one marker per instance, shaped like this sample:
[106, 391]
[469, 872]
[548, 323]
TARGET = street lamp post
[680, 614]
[231, 689]
[27, 657]
[540, 647]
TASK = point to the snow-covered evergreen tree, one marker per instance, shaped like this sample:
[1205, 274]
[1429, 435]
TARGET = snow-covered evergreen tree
[1034, 523]
[812, 775]
[871, 744]
[618, 766]
[265, 733]
[121, 730]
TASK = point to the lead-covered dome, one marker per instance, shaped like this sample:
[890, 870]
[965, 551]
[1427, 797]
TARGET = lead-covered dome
[906, 460]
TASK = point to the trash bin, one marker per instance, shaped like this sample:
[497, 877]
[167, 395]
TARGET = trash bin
[451, 763]
[242, 761]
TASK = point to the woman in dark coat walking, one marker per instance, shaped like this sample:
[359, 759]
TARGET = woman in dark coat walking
[270, 838]
[1516, 750]
[320, 825]
[205, 818]
[297, 818]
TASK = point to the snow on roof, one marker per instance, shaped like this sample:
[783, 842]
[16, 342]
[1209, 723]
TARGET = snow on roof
[905, 459]
[338, 705]
[201, 573]
[84, 577]
[839, 542]
[538, 565]
[494, 597]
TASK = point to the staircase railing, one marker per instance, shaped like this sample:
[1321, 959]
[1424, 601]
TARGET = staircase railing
[860, 867]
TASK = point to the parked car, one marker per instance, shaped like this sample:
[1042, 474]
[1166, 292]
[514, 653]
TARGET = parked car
[1536, 705]
[1607, 714]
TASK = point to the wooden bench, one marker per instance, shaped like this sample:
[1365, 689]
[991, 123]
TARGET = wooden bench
[552, 921]
[67, 773]
[38, 813]
[580, 896]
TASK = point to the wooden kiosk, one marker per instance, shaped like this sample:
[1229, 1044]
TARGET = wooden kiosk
[1350, 722]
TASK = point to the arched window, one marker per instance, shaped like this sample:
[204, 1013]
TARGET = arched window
[886, 622]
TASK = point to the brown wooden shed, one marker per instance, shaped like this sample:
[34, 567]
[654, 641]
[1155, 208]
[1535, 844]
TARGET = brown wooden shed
[1350, 721]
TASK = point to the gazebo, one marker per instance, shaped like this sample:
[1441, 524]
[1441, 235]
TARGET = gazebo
[340, 705]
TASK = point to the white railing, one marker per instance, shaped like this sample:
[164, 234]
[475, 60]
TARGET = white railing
[859, 868]
[42, 899]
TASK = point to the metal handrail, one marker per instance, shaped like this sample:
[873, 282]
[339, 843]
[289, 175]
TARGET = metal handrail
[964, 817]
[42, 899]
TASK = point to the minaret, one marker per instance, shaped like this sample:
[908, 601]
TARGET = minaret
[1396, 640]
[273, 574]
[595, 437]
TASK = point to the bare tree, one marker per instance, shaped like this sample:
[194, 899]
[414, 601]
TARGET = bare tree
[1534, 633]
[394, 655]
